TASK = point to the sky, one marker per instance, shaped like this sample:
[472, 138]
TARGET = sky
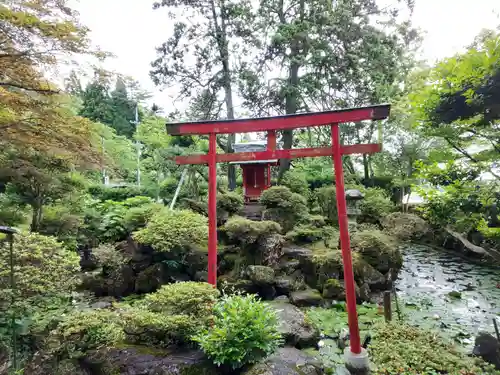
[131, 30]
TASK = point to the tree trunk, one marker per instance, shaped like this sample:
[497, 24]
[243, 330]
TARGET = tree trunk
[36, 217]
[222, 42]
[291, 96]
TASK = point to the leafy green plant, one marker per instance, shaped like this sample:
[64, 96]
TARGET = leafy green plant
[230, 202]
[284, 207]
[171, 230]
[43, 267]
[375, 205]
[420, 352]
[245, 330]
[190, 298]
[296, 182]
[171, 315]
[83, 331]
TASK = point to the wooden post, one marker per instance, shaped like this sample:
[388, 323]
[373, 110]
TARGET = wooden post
[212, 210]
[345, 243]
[387, 306]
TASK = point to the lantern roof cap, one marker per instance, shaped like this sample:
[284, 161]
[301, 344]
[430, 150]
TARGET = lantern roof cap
[353, 195]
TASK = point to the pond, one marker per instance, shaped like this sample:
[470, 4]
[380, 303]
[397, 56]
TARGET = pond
[427, 289]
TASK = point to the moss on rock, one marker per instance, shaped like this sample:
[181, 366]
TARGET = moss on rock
[406, 227]
[377, 249]
[261, 275]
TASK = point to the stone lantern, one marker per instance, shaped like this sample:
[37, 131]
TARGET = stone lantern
[353, 197]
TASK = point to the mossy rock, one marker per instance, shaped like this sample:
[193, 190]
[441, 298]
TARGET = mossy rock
[334, 289]
[261, 275]
[146, 360]
[323, 263]
[378, 249]
[149, 280]
[406, 227]
[308, 297]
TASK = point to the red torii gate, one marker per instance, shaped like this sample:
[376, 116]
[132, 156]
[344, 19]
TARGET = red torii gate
[271, 125]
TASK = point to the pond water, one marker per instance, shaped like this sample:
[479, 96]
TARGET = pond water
[424, 286]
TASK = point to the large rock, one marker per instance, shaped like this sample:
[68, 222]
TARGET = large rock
[261, 275]
[406, 227]
[334, 289]
[271, 248]
[308, 297]
[148, 361]
[378, 249]
[286, 361]
[293, 325]
[365, 273]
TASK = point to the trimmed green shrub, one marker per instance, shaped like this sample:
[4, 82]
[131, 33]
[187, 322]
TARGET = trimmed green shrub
[189, 298]
[105, 193]
[378, 249]
[230, 202]
[284, 207]
[245, 330]
[171, 315]
[296, 182]
[158, 330]
[58, 221]
[420, 352]
[84, 331]
[137, 217]
[44, 268]
[246, 233]
[174, 230]
[376, 205]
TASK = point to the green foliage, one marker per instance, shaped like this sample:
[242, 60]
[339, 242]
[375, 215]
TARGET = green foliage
[137, 217]
[378, 249]
[230, 202]
[117, 194]
[246, 232]
[171, 315]
[284, 207]
[158, 330]
[108, 257]
[43, 268]
[190, 298]
[12, 213]
[419, 352]
[244, 331]
[313, 229]
[375, 205]
[464, 206]
[296, 182]
[171, 230]
[328, 202]
[459, 104]
[83, 331]
[60, 222]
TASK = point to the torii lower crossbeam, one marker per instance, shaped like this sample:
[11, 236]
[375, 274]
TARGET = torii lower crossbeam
[271, 125]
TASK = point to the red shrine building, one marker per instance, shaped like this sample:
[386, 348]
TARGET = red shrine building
[256, 173]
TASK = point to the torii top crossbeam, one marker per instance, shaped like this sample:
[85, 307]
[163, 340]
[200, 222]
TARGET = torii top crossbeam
[285, 122]
[271, 125]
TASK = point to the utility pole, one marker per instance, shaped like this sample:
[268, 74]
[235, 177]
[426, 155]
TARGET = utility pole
[137, 145]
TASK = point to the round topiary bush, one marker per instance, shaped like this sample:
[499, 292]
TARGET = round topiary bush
[245, 330]
[284, 207]
[43, 268]
[174, 230]
[296, 182]
[377, 249]
[83, 331]
[230, 202]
